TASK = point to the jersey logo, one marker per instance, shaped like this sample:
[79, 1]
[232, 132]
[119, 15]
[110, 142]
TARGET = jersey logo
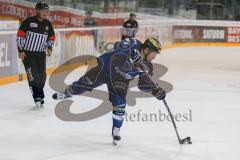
[33, 25]
[127, 67]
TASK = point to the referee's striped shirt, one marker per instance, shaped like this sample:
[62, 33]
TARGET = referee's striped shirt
[35, 36]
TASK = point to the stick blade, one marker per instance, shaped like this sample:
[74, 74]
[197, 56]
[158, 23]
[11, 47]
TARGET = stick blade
[186, 140]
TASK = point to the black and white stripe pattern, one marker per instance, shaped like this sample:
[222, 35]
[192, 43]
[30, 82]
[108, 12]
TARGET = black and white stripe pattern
[20, 42]
[35, 42]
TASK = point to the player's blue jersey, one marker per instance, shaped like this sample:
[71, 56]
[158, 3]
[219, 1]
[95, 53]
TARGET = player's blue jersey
[127, 48]
[117, 69]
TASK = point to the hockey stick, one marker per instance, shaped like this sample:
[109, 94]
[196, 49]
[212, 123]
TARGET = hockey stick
[186, 140]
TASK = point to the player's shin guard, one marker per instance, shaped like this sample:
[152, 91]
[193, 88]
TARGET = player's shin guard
[117, 116]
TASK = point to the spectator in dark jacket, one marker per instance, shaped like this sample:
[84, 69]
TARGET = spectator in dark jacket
[89, 21]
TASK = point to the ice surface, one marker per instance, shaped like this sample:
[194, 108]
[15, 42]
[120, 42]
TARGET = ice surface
[206, 81]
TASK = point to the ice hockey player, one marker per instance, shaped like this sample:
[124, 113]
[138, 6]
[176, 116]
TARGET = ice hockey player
[116, 69]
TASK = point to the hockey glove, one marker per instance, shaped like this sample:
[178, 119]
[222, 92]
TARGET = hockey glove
[159, 93]
[136, 57]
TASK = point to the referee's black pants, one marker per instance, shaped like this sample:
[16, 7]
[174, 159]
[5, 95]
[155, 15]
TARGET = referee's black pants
[35, 66]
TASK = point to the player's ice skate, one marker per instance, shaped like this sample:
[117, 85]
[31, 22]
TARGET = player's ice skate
[116, 135]
[58, 96]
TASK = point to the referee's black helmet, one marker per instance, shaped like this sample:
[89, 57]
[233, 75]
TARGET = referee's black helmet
[41, 6]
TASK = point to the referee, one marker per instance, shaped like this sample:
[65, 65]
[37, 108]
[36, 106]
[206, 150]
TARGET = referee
[35, 39]
[130, 27]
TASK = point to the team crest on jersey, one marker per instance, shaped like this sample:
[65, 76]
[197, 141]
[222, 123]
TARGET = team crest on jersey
[33, 25]
[127, 67]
